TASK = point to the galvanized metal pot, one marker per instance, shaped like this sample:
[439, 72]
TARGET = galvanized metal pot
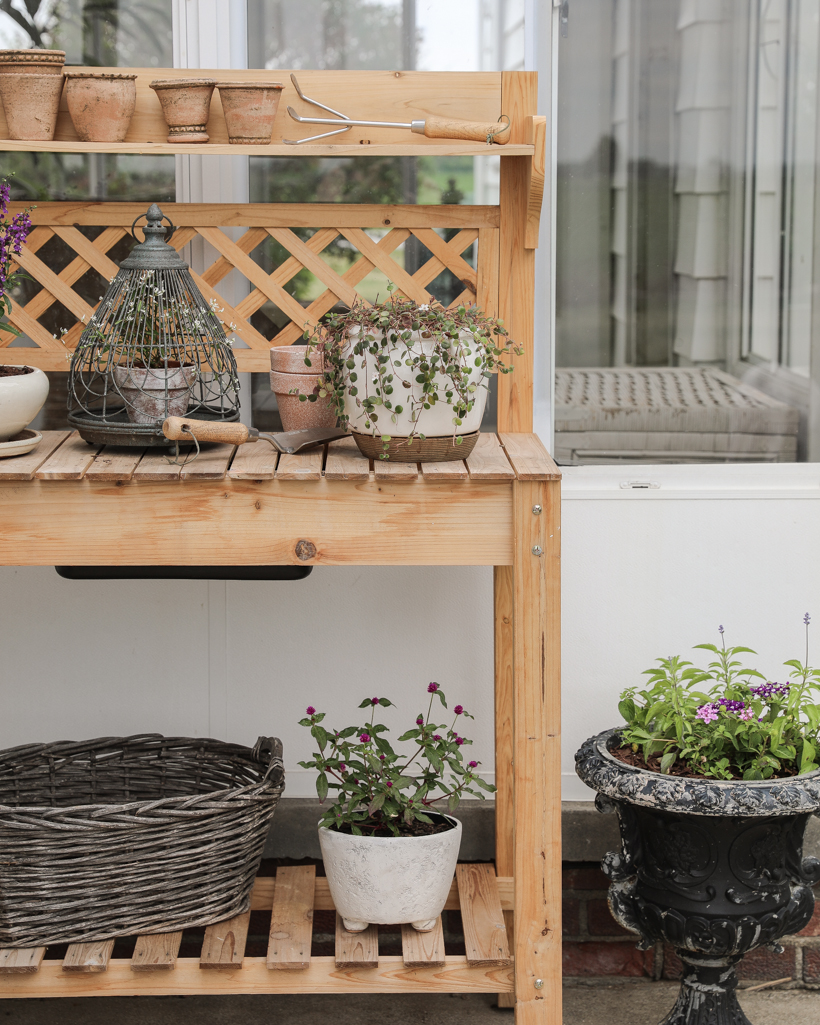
[714, 868]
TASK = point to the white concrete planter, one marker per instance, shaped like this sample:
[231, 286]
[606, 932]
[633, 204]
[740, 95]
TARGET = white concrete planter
[390, 880]
[21, 399]
[436, 422]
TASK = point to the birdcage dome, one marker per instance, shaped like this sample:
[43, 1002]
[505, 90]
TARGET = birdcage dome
[153, 348]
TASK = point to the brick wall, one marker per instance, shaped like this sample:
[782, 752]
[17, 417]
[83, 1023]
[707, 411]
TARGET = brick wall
[595, 946]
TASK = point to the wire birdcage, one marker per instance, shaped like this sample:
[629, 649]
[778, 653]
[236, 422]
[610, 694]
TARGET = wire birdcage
[153, 348]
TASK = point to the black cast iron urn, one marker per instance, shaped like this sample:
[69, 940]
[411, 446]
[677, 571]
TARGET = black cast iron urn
[714, 868]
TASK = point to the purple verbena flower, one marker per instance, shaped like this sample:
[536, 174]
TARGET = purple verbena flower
[708, 713]
[342, 766]
[432, 688]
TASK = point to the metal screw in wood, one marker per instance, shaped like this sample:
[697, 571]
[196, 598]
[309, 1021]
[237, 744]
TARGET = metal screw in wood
[537, 550]
[536, 510]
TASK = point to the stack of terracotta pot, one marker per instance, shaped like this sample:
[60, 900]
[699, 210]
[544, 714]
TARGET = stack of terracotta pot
[31, 84]
[291, 377]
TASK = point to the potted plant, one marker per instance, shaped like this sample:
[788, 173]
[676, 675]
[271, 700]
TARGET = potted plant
[23, 390]
[713, 777]
[389, 854]
[410, 380]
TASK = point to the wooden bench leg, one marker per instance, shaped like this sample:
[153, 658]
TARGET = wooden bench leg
[504, 812]
[537, 752]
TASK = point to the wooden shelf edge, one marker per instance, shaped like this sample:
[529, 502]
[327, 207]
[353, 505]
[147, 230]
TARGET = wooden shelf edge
[186, 979]
[429, 149]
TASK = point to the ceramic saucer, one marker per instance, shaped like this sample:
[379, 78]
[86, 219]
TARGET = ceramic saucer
[20, 444]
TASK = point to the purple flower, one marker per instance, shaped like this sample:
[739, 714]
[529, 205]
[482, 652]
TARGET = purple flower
[459, 741]
[807, 619]
[389, 783]
[432, 688]
[365, 738]
[420, 721]
[342, 767]
[766, 690]
[310, 710]
[746, 715]
[708, 713]
[381, 758]
[374, 701]
[458, 709]
[720, 629]
[473, 765]
[436, 736]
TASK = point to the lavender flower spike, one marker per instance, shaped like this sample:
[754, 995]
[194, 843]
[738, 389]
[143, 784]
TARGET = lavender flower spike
[807, 619]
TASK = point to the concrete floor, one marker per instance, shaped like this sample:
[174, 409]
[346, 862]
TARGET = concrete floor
[639, 1004]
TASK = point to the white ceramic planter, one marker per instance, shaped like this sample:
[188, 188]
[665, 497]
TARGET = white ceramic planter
[21, 399]
[436, 422]
[390, 880]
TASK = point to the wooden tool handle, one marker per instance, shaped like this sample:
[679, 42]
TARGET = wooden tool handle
[473, 131]
[179, 428]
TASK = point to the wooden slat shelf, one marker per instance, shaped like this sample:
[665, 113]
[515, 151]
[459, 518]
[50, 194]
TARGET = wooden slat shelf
[87, 969]
[441, 148]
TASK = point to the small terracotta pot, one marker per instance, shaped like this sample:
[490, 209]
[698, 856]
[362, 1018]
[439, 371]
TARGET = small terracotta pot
[290, 359]
[32, 62]
[153, 394]
[101, 105]
[186, 105]
[297, 415]
[31, 102]
[250, 109]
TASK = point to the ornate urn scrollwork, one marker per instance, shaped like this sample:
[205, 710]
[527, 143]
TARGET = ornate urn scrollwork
[714, 868]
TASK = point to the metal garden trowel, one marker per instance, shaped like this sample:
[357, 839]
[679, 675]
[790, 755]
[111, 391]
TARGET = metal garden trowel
[180, 428]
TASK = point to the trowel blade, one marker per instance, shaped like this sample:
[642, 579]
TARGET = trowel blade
[296, 441]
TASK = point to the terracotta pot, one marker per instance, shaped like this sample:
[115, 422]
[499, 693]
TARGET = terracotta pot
[297, 415]
[290, 359]
[31, 102]
[186, 105]
[21, 398]
[153, 394]
[101, 105]
[389, 880]
[250, 109]
[32, 62]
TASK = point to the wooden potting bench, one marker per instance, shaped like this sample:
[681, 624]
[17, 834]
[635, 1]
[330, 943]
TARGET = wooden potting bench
[69, 503]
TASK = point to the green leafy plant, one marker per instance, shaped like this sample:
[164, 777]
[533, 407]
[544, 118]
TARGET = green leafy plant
[735, 729]
[380, 791]
[420, 355]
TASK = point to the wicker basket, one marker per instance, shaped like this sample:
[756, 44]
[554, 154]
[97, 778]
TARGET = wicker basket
[130, 835]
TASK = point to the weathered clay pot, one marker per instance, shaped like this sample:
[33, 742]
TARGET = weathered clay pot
[153, 394]
[298, 415]
[101, 105]
[21, 398]
[250, 109]
[33, 62]
[713, 867]
[186, 105]
[31, 102]
[290, 359]
[389, 880]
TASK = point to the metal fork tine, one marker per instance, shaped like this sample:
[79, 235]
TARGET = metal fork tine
[315, 103]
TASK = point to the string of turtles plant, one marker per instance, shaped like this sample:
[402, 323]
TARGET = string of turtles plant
[463, 338]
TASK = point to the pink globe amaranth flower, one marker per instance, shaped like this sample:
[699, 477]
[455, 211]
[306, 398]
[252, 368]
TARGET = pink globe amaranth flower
[310, 710]
[374, 701]
[381, 758]
[432, 688]
[389, 783]
[420, 721]
[458, 709]
[473, 765]
[365, 738]
[459, 741]
[342, 767]
[436, 736]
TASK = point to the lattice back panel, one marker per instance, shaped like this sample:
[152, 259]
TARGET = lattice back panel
[359, 227]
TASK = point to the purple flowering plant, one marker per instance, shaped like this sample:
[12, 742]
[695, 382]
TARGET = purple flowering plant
[720, 722]
[13, 234]
[382, 791]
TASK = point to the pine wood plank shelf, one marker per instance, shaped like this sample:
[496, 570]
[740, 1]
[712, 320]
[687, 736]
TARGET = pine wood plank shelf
[328, 507]
[290, 898]
[362, 149]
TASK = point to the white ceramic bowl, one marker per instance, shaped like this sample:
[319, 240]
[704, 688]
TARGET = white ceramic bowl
[21, 399]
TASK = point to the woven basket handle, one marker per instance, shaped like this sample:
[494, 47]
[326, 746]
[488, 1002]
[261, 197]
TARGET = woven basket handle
[268, 750]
